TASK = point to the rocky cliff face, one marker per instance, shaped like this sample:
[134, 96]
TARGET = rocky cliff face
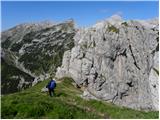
[35, 50]
[116, 61]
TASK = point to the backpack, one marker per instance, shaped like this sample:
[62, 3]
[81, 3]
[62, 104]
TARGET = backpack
[52, 84]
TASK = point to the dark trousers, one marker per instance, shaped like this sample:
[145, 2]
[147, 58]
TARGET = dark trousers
[51, 92]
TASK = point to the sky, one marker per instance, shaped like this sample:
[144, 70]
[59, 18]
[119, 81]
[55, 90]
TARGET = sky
[84, 13]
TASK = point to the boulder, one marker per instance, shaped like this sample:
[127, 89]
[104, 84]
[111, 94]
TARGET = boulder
[44, 89]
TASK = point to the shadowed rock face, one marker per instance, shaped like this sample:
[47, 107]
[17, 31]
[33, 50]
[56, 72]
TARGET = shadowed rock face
[36, 50]
[116, 61]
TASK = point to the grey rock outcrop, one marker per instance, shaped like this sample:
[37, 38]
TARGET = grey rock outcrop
[44, 89]
[116, 61]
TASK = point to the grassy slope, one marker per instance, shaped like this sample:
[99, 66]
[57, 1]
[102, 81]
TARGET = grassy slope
[31, 103]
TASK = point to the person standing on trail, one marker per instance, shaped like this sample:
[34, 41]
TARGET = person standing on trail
[51, 86]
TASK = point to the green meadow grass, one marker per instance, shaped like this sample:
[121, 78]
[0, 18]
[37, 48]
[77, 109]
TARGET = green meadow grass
[66, 103]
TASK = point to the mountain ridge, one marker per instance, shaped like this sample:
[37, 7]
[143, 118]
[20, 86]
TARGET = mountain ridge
[114, 60]
[37, 49]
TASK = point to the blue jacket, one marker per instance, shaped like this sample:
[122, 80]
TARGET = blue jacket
[51, 84]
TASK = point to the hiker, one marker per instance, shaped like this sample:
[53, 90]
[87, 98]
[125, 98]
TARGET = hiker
[51, 86]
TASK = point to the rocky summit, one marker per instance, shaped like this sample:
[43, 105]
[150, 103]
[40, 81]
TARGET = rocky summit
[32, 52]
[116, 61]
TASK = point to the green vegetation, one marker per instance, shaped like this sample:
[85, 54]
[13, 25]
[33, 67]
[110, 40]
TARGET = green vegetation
[29, 37]
[41, 58]
[85, 46]
[6, 43]
[157, 71]
[16, 47]
[70, 45]
[32, 62]
[11, 76]
[125, 24]
[113, 29]
[31, 103]
[39, 62]
[57, 60]
[94, 44]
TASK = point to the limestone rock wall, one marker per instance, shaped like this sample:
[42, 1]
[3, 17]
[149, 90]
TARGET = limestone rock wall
[116, 61]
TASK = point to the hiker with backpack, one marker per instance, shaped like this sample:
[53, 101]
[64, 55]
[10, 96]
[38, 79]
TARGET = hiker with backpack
[51, 86]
